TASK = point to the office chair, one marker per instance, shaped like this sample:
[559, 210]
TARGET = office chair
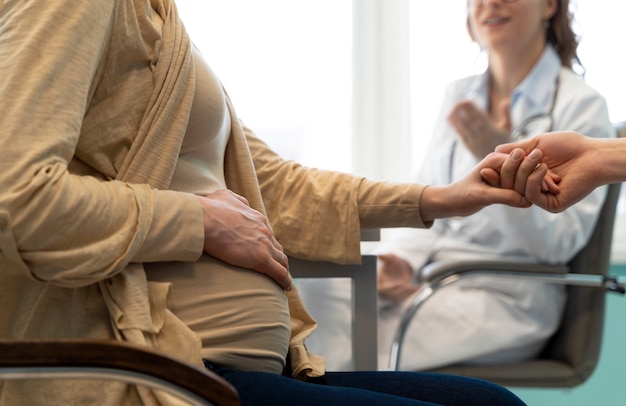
[571, 355]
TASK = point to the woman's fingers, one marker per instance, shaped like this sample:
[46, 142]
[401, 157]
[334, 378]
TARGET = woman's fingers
[526, 167]
[491, 177]
[509, 169]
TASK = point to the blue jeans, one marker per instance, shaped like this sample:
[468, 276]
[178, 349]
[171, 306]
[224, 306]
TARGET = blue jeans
[366, 389]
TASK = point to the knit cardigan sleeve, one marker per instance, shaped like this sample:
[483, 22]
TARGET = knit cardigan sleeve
[57, 224]
[317, 214]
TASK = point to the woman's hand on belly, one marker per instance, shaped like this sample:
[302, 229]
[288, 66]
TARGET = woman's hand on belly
[239, 235]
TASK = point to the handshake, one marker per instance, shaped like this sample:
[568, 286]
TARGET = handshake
[552, 171]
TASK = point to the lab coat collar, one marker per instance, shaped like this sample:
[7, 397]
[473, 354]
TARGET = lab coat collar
[529, 97]
[544, 75]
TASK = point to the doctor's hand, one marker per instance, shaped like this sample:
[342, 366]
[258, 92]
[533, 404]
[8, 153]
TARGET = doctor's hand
[476, 129]
[572, 161]
[395, 278]
[239, 235]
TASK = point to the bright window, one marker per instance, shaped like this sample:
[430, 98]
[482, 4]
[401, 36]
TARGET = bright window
[286, 65]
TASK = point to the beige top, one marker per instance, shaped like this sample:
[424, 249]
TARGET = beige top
[241, 316]
[88, 149]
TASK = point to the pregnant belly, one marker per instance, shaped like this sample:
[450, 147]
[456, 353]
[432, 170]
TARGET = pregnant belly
[241, 316]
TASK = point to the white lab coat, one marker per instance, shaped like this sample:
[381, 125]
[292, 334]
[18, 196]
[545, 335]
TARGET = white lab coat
[481, 319]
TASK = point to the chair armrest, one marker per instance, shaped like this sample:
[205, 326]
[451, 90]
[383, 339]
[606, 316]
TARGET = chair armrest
[370, 234]
[442, 269]
[364, 302]
[107, 359]
[444, 272]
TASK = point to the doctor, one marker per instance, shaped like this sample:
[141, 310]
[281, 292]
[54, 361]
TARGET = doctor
[528, 88]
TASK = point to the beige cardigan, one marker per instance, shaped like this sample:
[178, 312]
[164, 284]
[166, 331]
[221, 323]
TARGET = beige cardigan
[89, 143]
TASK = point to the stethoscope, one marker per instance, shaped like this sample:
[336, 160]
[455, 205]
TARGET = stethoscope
[543, 121]
[526, 126]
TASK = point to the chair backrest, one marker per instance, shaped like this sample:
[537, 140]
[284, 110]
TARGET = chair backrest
[578, 340]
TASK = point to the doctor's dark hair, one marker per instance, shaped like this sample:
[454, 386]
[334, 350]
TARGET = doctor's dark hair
[559, 34]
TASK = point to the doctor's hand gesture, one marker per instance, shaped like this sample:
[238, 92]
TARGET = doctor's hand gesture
[477, 130]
